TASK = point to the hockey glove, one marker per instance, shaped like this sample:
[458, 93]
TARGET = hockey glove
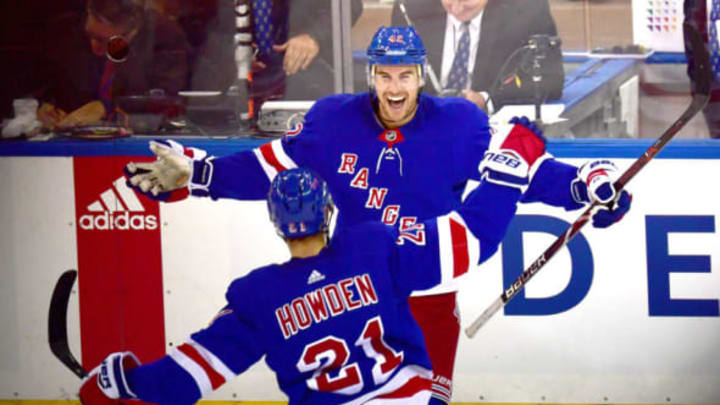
[594, 182]
[607, 215]
[177, 172]
[521, 151]
[106, 384]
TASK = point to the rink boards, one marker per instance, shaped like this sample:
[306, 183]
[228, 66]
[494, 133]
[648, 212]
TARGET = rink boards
[624, 315]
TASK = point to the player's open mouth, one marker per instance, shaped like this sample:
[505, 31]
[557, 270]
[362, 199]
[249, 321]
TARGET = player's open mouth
[396, 102]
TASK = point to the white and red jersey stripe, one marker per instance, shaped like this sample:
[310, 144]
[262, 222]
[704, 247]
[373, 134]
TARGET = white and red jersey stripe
[206, 369]
[273, 159]
[459, 248]
[441, 392]
[410, 386]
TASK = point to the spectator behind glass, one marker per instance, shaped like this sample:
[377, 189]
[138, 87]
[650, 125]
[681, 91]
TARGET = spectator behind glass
[697, 14]
[302, 51]
[83, 80]
[497, 28]
[209, 26]
[298, 65]
[317, 79]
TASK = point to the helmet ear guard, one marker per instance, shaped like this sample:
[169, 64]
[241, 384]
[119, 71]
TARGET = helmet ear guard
[299, 204]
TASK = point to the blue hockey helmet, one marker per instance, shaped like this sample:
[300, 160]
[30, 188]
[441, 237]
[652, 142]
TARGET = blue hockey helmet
[298, 203]
[396, 46]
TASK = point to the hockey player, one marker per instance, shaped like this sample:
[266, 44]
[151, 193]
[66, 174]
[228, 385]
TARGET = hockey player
[393, 155]
[336, 325]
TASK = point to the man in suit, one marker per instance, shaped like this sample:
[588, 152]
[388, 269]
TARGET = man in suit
[307, 56]
[293, 41]
[497, 30]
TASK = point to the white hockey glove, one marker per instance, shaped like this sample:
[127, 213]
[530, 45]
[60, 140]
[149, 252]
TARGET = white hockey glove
[594, 182]
[520, 152]
[106, 384]
[170, 177]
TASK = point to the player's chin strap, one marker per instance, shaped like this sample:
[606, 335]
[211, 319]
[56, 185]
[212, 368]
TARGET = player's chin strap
[326, 228]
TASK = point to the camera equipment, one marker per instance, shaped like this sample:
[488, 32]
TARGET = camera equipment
[527, 62]
[535, 52]
[541, 44]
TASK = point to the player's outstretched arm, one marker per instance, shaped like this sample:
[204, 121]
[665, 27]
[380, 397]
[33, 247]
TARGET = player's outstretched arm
[202, 364]
[506, 172]
[471, 234]
[120, 377]
[181, 171]
[563, 185]
[455, 242]
[175, 173]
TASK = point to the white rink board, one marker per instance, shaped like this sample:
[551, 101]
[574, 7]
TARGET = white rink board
[605, 349]
[37, 243]
[239, 237]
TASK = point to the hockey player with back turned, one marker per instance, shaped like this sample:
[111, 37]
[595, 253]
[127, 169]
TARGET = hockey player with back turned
[335, 327]
[394, 155]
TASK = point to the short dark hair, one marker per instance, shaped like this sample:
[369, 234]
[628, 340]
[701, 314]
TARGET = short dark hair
[123, 13]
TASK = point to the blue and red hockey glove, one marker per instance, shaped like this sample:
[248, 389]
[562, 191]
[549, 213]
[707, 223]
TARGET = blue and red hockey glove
[608, 215]
[594, 182]
[177, 172]
[106, 384]
[515, 160]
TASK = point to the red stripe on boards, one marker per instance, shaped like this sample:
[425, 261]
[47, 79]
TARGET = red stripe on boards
[458, 238]
[119, 266]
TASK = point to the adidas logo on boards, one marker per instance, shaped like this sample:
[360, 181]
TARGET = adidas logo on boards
[315, 276]
[117, 209]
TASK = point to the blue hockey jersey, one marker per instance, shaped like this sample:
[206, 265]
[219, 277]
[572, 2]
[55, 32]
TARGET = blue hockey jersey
[397, 176]
[336, 327]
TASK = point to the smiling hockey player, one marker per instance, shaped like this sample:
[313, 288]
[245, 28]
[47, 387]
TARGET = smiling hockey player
[393, 155]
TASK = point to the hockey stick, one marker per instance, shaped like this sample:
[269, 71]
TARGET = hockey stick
[57, 323]
[702, 77]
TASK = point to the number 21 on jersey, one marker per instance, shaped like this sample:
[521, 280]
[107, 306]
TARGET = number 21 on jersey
[330, 354]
